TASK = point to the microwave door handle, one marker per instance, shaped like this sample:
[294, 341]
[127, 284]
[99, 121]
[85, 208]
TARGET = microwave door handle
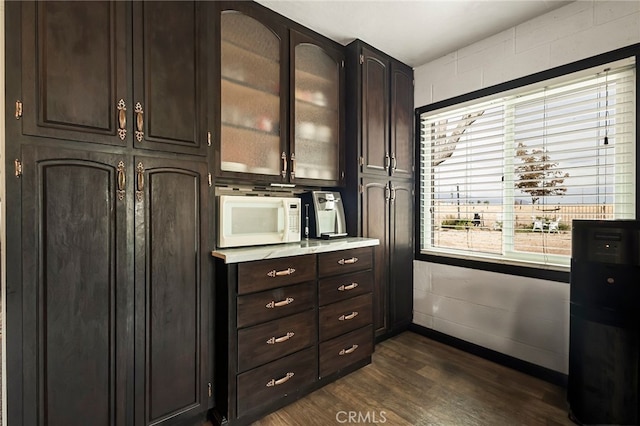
[286, 220]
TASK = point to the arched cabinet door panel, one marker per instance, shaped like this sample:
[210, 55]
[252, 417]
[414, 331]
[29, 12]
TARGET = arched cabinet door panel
[77, 301]
[253, 95]
[317, 125]
[171, 288]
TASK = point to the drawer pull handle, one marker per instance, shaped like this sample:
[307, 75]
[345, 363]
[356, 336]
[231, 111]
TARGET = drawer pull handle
[274, 382]
[348, 351]
[274, 304]
[280, 339]
[351, 316]
[285, 272]
[348, 261]
[347, 287]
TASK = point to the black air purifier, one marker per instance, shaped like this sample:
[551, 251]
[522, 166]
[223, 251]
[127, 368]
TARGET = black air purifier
[604, 343]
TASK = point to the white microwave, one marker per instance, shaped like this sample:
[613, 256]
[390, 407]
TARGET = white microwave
[257, 220]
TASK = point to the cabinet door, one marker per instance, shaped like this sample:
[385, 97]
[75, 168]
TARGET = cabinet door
[401, 253]
[317, 76]
[402, 128]
[169, 99]
[375, 113]
[74, 70]
[253, 95]
[77, 301]
[172, 287]
[375, 224]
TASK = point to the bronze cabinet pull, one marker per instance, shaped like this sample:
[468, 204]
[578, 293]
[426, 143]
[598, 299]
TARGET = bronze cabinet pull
[274, 340]
[140, 182]
[387, 161]
[274, 382]
[139, 122]
[282, 273]
[394, 163]
[284, 164]
[274, 304]
[122, 119]
[348, 351]
[348, 317]
[122, 180]
[293, 165]
[348, 261]
[347, 287]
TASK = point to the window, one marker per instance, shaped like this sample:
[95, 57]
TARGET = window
[503, 176]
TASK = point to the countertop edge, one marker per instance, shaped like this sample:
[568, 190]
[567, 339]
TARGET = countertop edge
[248, 254]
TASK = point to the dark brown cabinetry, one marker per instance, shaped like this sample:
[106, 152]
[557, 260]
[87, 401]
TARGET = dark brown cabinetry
[287, 326]
[381, 91]
[281, 96]
[79, 83]
[380, 117]
[77, 297]
[90, 314]
[172, 284]
[346, 309]
[387, 214]
[111, 295]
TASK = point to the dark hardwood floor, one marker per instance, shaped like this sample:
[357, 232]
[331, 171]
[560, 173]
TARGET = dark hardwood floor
[414, 380]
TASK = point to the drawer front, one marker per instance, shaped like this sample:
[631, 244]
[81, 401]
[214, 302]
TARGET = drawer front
[271, 304]
[342, 262]
[266, 342]
[345, 350]
[342, 287]
[266, 274]
[341, 317]
[275, 380]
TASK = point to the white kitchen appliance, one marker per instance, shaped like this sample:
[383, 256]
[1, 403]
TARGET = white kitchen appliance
[257, 220]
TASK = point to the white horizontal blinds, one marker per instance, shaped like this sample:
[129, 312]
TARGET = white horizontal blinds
[503, 178]
[466, 159]
[564, 168]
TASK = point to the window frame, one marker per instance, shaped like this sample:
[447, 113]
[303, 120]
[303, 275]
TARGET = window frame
[507, 268]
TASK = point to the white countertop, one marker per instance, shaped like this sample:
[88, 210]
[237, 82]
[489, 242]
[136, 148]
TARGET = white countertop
[273, 251]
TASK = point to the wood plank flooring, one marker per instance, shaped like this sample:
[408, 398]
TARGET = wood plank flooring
[414, 380]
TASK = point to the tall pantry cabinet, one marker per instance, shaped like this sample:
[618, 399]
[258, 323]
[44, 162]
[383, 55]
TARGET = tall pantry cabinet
[109, 303]
[381, 205]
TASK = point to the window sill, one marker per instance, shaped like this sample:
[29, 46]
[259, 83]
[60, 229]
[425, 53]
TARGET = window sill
[559, 273]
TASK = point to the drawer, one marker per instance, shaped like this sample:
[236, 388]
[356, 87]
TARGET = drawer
[271, 273]
[272, 304]
[341, 317]
[345, 350]
[342, 262]
[342, 287]
[275, 380]
[266, 342]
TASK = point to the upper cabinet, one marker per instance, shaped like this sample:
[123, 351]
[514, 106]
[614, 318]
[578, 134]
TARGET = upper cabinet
[74, 71]
[382, 115]
[281, 119]
[170, 76]
[401, 140]
[317, 74]
[79, 83]
[252, 102]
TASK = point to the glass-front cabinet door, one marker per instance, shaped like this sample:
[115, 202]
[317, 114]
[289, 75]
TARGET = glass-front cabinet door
[317, 120]
[251, 98]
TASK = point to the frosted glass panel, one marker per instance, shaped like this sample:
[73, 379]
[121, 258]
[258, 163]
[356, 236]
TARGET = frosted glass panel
[316, 132]
[250, 96]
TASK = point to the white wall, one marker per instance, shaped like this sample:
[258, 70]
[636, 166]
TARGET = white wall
[522, 317]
